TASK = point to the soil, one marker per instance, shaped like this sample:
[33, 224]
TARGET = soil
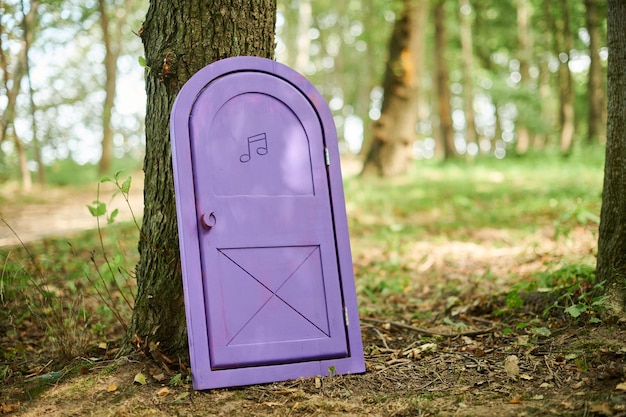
[444, 346]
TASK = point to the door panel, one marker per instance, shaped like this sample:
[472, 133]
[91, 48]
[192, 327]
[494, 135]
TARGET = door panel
[269, 258]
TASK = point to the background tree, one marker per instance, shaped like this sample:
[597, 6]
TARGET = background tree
[563, 45]
[179, 39]
[28, 40]
[524, 58]
[112, 41]
[611, 265]
[394, 132]
[13, 84]
[442, 74]
[595, 89]
[467, 59]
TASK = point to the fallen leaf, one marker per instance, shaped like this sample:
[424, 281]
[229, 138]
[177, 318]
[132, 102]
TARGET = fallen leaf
[510, 366]
[181, 396]
[538, 397]
[159, 377]
[515, 400]
[428, 347]
[102, 345]
[112, 388]
[526, 377]
[140, 379]
[9, 408]
[602, 409]
[163, 392]
[621, 386]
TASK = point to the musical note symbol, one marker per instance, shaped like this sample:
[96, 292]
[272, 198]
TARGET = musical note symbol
[261, 148]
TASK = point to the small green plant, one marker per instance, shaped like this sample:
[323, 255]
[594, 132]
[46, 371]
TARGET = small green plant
[111, 274]
[578, 215]
[579, 293]
[571, 289]
[176, 380]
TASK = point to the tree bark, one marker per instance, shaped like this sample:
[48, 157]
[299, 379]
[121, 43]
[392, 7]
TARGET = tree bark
[180, 37]
[611, 266]
[393, 134]
[595, 90]
[443, 89]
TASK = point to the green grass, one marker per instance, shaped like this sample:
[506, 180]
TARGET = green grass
[67, 172]
[454, 198]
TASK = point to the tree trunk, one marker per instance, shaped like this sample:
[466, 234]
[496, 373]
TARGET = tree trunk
[41, 174]
[180, 37]
[110, 69]
[28, 32]
[443, 90]
[393, 134]
[303, 42]
[8, 115]
[549, 98]
[525, 53]
[546, 99]
[595, 91]
[566, 83]
[468, 72]
[27, 182]
[112, 40]
[611, 266]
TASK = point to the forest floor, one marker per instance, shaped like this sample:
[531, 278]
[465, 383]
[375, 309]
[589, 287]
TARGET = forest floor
[452, 325]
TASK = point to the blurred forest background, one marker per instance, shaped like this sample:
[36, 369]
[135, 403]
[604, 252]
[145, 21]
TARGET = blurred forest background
[487, 78]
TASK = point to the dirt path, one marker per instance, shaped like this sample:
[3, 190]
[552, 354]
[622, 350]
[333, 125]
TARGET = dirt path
[45, 212]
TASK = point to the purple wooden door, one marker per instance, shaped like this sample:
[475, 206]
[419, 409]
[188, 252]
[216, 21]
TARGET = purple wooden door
[267, 270]
[266, 231]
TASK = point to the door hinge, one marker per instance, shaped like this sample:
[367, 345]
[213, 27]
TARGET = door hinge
[345, 315]
[327, 157]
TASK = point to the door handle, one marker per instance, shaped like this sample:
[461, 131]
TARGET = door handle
[208, 220]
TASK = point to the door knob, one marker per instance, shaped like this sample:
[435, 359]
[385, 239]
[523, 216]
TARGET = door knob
[208, 220]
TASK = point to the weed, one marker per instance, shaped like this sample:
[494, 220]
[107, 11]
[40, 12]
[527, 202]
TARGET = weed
[571, 289]
[579, 294]
[112, 276]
